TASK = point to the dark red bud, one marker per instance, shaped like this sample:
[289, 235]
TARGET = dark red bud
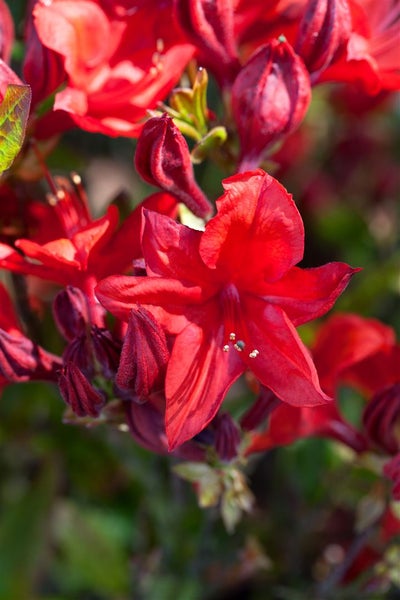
[78, 393]
[23, 360]
[79, 351]
[263, 406]
[270, 97]
[209, 25]
[107, 350]
[381, 419]
[70, 312]
[227, 437]
[144, 356]
[324, 30]
[162, 158]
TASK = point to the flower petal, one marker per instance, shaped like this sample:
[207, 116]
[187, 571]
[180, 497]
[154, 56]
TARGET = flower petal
[305, 294]
[198, 376]
[283, 363]
[167, 299]
[257, 234]
[172, 250]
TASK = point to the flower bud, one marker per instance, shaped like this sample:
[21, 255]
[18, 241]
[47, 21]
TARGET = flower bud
[23, 360]
[106, 350]
[227, 437]
[70, 312]
[78, 393]
[162, 158]
[263, 406]
[324, 29]
[270, 97]
[381, 419]
[209, 25]
[144, 356]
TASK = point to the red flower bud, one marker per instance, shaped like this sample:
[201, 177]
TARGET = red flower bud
[70, 312]
[270, 97]
[324, 29]
[162, 158]
[209, 25]
[382, 418]
[79, 393]
[227, 437]
[144, 356]
[106, 350]
[264, 405]
[23, 360]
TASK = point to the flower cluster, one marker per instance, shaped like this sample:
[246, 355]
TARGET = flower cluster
[163, 307]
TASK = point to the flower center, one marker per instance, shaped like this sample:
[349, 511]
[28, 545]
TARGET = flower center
[236, 333]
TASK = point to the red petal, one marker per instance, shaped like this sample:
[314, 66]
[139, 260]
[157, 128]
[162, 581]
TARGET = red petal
[345, 340]
[257, 234]
[119, 294]
[198, 376]
[283, 363]
[305, 294]
[172, 250]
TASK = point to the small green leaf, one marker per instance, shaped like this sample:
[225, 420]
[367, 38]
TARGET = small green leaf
[14, 112]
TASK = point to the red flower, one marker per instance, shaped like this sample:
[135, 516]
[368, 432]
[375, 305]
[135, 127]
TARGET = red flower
[371, 57]
[79, 251]
[357, 351]
[234, 297]
[118, 63]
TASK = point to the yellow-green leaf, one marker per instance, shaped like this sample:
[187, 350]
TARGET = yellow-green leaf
[14, 112]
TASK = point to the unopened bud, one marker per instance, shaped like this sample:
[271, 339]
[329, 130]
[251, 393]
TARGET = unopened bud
[324, 29]
[144, 356]
[162, 158]
[210, 26]
[78, 393]
[70, 312]
[270, 97]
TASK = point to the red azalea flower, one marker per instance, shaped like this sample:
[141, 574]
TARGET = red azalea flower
[118, 63]
[234, 297]
[353, 350]
[80, 251]
[371, 57]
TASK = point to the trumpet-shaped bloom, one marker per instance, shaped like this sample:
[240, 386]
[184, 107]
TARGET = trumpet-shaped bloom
[233, 297]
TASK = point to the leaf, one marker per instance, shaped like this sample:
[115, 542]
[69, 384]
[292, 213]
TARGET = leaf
[14, 112]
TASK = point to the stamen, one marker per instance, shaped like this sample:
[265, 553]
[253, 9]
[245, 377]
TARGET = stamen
[226, 348]
[232, 337]
[239, 346]
[254, 353]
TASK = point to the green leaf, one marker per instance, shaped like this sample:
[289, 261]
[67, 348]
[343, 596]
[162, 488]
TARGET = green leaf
[14, 112]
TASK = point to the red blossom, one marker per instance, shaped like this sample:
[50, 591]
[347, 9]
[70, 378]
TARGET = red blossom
[359, 352]
[233, 297]
[114, 72]
[371, 57]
